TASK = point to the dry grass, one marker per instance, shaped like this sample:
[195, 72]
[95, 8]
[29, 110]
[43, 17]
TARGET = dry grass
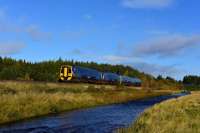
[21, 100]
[180, 115]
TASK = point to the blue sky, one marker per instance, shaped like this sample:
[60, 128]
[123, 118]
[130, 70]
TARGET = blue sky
[154, 36]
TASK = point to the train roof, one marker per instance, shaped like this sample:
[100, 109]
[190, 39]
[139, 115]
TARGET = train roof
[133, 79]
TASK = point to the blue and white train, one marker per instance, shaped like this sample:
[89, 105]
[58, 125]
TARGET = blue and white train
[82, 74]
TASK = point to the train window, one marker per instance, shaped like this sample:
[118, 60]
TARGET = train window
[69, 71]
[62, 70]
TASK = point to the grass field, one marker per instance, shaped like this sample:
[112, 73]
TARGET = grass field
[21, 100]
[180, 115]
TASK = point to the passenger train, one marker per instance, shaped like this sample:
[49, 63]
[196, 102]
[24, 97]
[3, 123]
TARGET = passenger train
[82, 74]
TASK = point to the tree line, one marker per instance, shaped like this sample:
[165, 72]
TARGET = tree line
[12, 69]
[191, 80]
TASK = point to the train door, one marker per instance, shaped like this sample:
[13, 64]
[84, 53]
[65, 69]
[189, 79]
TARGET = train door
[69, 73]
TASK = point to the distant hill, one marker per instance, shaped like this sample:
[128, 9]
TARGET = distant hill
[11, 69]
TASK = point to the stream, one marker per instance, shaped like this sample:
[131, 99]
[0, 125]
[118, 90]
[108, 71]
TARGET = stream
[103, 119]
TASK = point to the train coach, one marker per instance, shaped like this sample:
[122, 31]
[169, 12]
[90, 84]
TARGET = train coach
[82, 74]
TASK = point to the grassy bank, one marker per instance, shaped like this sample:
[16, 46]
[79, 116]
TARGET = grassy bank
[21, 100]
[180, 115]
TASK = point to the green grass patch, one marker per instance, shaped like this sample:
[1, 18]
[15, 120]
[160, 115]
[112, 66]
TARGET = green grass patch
[180, 115]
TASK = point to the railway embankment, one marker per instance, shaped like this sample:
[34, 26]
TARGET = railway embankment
[181, 115]
[24, 100]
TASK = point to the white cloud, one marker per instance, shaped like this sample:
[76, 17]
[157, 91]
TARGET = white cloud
[36, 34]
[153, 4]
[7, 25]
[156, 69]
[114, 59]
[2, 13]
[87, 16]
[32, 31]
[77, 52]
[10, 48]
[166, 46]
[75, 35]
[158, 32]
[140, 65]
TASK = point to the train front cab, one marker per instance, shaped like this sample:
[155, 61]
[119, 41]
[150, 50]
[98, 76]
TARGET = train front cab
[66, 73]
